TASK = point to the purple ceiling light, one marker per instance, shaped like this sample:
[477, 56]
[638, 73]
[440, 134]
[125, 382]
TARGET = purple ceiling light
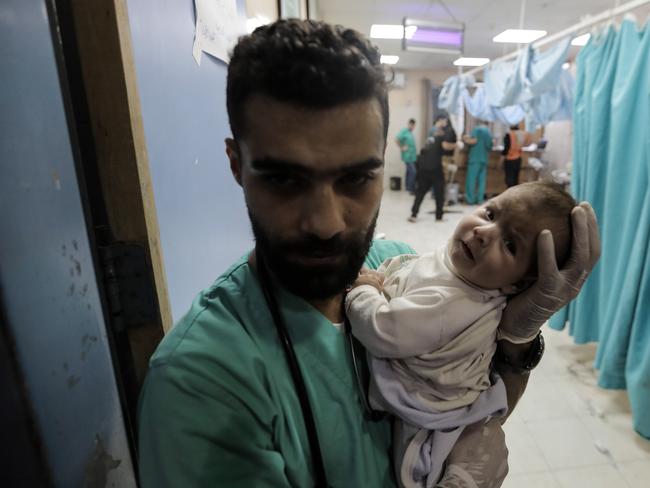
[433, 36]
[438, 36]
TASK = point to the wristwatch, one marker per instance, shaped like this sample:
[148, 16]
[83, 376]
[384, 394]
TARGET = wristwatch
[528, 363]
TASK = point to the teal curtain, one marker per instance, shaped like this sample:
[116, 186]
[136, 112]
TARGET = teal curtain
[611, 162]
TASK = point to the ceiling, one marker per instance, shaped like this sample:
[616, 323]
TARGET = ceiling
[483, 20]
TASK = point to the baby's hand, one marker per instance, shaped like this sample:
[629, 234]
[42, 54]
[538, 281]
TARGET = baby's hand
[370, 277]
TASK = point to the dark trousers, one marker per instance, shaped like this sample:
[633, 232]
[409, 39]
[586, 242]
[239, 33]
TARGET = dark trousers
[511, 168]
[424, 181]
[409, 180]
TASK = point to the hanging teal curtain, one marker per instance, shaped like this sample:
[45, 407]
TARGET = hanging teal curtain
[611, 163]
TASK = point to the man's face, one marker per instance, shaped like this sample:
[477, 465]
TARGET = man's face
[411, 126]
[313, 181]
[493, 247]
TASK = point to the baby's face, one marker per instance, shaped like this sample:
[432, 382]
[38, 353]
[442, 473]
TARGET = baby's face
[494, 246]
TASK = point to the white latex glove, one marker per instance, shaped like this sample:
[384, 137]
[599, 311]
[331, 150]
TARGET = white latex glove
[554, 288]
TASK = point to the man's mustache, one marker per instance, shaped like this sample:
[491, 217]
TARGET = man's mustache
[317, 247]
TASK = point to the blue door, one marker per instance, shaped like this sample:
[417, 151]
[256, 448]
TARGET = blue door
[48, 287]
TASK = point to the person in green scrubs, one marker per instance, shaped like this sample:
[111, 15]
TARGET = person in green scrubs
[308, 109]
[408, 152]
[480, 142]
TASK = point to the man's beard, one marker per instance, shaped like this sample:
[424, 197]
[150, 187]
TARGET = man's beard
[314, 281]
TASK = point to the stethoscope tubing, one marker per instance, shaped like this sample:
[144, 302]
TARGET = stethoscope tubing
[296, 374]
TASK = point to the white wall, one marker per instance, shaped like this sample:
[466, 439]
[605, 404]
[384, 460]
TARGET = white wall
[262, 8]
[559, 149]
[407, 103]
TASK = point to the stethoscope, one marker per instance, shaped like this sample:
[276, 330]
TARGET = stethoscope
[298, 380]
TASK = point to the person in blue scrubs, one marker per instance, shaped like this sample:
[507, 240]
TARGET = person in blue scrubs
[480, 142]
[308, 109]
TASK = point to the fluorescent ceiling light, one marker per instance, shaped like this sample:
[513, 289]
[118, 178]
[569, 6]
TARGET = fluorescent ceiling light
[581, 40]
[391, 31]
[519, 36]
[471, 61]
[433, 36]
[410, 31]
[389, 59]
[386, 31]
[566, 66]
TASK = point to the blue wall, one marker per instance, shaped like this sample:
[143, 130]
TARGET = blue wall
[203, 222]
[47, 279]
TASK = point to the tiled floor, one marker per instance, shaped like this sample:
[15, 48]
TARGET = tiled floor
[566, 432]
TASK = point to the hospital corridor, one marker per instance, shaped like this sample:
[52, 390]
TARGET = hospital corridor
[325, 243]
[566, 432]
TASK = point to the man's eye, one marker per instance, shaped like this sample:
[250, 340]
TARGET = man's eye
[356, 179]
[283, 181]
[510, 246]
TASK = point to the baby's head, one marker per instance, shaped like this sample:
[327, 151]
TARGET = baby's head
[495, 247]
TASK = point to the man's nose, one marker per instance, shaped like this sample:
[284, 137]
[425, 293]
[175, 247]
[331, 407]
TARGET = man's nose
[486, 234]
[323, 213]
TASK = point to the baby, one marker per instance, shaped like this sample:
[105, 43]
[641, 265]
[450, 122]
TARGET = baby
[430, 322]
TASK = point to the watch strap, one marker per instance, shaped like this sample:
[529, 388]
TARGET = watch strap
[530, 361]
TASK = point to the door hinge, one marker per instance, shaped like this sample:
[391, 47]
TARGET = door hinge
[130, 290]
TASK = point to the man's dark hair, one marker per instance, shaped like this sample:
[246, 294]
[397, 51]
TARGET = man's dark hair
[306, 63]
[411, 121]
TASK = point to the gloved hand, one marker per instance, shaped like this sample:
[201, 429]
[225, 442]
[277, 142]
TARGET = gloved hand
[525, 314]
[479, 458]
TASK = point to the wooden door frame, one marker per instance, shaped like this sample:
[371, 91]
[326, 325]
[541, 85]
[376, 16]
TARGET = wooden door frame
[114, 167]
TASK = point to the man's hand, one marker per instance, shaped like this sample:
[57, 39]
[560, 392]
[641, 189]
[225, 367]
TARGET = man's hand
[554, 288]
[479, 458]
[370, 277]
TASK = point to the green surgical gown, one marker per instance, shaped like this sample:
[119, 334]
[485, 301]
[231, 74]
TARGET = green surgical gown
[219, 408]
[479, 152]
[405, 138]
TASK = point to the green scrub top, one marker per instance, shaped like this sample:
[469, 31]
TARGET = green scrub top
[479, 151]
[219, 408]
[405, 138]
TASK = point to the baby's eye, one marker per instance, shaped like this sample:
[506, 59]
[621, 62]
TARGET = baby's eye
[510, 246]
[489, 214]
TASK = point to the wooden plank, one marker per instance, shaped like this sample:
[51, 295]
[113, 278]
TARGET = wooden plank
[108, 71]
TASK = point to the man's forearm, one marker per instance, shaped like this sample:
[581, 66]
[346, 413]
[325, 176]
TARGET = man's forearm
[448, 146]
[514, 379]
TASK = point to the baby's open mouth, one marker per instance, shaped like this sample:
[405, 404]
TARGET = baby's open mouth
[467, 250]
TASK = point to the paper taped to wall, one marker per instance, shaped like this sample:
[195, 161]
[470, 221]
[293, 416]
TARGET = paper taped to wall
[217, 28]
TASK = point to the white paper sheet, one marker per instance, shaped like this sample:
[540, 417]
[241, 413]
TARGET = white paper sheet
[217, 28]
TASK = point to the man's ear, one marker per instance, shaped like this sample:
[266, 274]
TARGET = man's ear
[234, 156]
